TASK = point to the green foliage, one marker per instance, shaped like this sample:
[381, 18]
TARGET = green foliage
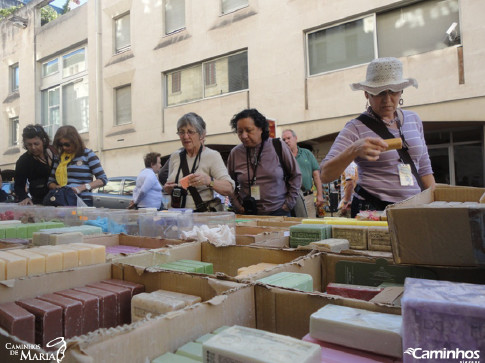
[4, 13]
[47, 14]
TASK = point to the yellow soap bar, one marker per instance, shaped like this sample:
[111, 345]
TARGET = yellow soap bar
[70, 257]
[85, 254]
[344, 221]
[64, 238]
[244, 271]
[53, 259]
[15, 266]
[35, 261]
[98, 251]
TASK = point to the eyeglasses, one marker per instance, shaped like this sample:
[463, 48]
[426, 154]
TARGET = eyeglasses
[64, 144]
[387, 92]
[188, 132]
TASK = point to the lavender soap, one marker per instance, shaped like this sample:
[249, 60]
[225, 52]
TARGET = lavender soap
[443, 318]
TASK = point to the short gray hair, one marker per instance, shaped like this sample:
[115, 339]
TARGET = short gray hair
[194, 120]
[289, 130]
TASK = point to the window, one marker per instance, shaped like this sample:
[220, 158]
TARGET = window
[232, 5]
[174, 15]
[129, 187]
[65, 92]
[113, 187]
[199, 81]
[14, 132]
[417, 28]
[14, 78]
[122, 33]
[50, 67]
[123, 105]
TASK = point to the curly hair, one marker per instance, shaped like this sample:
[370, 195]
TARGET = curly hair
[69, 132]
[150, 159]
[259, 121]
[31, 131]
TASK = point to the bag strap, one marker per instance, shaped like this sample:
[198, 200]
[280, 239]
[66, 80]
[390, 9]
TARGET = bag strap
[380, 129]
[193, 191]
[279, 151]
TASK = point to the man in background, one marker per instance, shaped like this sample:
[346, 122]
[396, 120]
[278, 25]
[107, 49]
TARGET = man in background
[310, 172]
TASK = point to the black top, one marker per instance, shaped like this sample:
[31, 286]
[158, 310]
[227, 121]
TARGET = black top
[36, 173]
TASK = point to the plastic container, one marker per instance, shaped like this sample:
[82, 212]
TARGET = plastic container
[161, 225]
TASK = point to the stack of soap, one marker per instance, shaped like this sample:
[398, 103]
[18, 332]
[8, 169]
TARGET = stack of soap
[304, 234]
[17, 321]
[20, 230]
[63, 235]
[71, 313]
[109, 313]
[356, 235]
[188, 266]
[249, 270]
[353, 291]
[291, 280]
[123, 300]
[12, 266]
[331, 244]
[360, 329]
[35, 261]
[439, 314]
[90, 312]
[159, 302]
[241, 344]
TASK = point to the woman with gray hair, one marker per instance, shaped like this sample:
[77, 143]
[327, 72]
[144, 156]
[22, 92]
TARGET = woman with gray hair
[203, 168]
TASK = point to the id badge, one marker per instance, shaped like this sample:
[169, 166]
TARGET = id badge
[405, 175]
[255, 192]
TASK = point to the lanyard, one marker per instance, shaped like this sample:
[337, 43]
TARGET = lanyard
[194, 165]
[251, 182]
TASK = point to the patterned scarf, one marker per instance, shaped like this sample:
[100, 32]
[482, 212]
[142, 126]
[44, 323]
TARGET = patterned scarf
[61, 171]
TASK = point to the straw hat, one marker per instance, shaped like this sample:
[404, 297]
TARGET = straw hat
[384, 74]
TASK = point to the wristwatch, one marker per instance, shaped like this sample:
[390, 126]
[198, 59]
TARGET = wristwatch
[88, 186]
[211, 184]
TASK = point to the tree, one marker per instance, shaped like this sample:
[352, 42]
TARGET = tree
[47, 14]
[4, 13]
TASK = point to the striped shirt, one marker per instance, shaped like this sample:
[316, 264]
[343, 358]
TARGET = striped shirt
[381, 178]
[81, 170]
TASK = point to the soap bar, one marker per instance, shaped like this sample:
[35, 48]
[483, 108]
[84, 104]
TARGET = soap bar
[191, 350]
[242, 344]
[173, 358]
[133, 286]
[53, 259]
[203, 267]
[293, 280]
[64, 238]
[70, 257]
[204, 337]
[85, 254]
[90, 314]
[108, 306]
[332, 244]
[353, 291]
[249, 270]
[379, 239]
[3, 269]
[35, 261]
[71, 313]
[98, 252]
[48, 319]
[17, 321]
[15, 266]
[357, 328]
[124, 300]
[356, 235]
[439, 314]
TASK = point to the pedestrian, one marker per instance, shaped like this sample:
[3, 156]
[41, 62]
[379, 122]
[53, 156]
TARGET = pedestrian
[148, 190]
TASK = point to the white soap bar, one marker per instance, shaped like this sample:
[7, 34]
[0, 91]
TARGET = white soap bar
[186, 298]
[85, 254]
[146, 303]
[53, 259]
[35, 261]
[70, 257]
[360, 329]
[332, 244]
[63, 238]
[98, 251]
[3, 269]
[242, 344]
[15, 266]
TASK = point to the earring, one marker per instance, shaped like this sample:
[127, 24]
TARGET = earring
[401, 101]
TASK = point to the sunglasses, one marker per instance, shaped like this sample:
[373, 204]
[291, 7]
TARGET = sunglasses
[64, 144]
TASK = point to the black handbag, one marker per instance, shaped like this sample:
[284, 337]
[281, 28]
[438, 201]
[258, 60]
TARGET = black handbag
[61, 197]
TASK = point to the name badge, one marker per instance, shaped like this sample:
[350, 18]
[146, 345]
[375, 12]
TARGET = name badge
[79, 163]
[405, 175]
[255, 192]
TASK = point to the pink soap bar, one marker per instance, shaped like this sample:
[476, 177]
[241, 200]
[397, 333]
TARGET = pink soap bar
[123, 249]
[71, 312]
[124, 300]
[353, 291]
[90, 314]
[333, 353]
[133, 286]
[48, 319]
[17, 321]
[108, 306]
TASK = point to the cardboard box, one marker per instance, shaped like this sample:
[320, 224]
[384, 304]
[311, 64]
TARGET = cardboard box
[135, 241]
[269, 236]
[448, 235]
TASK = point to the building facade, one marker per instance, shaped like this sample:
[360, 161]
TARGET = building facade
[124, 71]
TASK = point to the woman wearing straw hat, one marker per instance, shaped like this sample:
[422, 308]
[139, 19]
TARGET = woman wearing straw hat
[386, 175]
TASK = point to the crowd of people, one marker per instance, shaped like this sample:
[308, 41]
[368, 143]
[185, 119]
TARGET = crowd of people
[263, 175]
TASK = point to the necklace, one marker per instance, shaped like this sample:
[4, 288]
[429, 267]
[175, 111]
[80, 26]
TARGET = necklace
[377, 117]
[391, 122]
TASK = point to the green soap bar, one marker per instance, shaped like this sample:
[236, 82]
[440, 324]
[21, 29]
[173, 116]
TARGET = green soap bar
[191, 350]
[173, 358]
[172, 266]
[218, 330]
[208, 267]
[293, 280]
[197, 268]
[2, 232]
[22, 231]
[204, 338]
[10, 232]
[274, 278]
[310, 231]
